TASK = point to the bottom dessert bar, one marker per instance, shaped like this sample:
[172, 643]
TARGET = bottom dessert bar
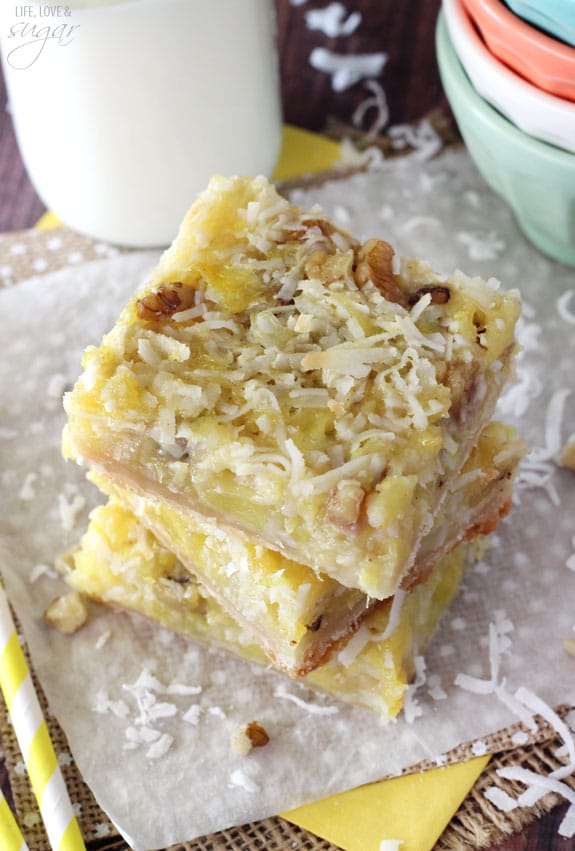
[297, 617]
[119, 562]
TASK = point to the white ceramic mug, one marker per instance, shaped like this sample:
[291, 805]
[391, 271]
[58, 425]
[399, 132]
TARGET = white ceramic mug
[124, 109]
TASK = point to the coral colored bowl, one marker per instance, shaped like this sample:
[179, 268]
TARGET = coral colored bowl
[554, 16]
[538, 113]
[536, 179]
[547, 63]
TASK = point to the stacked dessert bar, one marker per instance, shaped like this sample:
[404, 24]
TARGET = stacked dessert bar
[294, 432]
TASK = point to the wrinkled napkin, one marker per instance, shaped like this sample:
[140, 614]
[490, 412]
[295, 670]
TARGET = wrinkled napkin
[120, 677]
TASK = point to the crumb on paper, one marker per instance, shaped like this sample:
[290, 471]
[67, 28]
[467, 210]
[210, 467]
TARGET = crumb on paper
[67, 613]
[28, 489]
[567, 457]
[247, 737]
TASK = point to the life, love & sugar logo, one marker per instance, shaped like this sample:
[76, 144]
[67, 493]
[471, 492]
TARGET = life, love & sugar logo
[36, 27]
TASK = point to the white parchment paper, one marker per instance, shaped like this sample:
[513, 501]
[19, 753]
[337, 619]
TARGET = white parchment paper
[440, 210]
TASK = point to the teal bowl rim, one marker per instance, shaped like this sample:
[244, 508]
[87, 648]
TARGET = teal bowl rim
[451, 67]
[558, 21]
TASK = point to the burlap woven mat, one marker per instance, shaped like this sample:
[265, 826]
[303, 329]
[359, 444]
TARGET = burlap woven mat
[477, 824]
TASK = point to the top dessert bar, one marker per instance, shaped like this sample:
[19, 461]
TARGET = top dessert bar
[315, 393]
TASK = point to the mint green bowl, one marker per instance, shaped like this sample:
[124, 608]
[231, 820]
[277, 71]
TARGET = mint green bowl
[536, 179]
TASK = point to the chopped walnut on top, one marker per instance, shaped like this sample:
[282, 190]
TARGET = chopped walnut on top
[67, 613]
[439, 294]
[344, 503]
[247, 737]
[376, 265]
[168, 299]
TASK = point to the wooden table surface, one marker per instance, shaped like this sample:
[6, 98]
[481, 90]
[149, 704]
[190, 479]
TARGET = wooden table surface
[403, 29]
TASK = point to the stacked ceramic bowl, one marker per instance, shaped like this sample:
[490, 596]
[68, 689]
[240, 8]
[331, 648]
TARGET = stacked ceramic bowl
[511, 86]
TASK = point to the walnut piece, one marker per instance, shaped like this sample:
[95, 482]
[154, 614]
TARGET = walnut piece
[247, 737]
[344, 503]
[439, 294]
[67, 613]
[569, 645]
[167, 300]
[376, 265]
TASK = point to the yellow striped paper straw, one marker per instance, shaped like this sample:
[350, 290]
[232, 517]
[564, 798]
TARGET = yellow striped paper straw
[10, 837]
[34, 740]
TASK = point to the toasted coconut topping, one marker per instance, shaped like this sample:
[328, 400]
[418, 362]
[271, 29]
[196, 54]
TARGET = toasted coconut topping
[273, 350]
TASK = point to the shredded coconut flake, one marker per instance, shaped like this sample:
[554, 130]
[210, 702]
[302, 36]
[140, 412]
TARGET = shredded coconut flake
[70, 508]
[102, 639]
[567, 826]
[424, 140]
[104, 706]
[479, 748]
[537, 783]
[563, 307]
[538, 706]
[161, 747]
[347, 70]
[192, 716]
[313, 708]
[217, 712]
[56, 386]
[516, 707]
[40, 571]
[241, 779]
[331, 20]
[376, 103]
[500, 799]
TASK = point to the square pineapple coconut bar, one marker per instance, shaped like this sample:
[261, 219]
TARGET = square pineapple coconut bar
[120, 563]
[296, 616]
[315, 393]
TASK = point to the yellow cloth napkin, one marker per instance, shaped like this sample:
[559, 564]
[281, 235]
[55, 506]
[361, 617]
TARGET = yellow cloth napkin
[414, 809]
